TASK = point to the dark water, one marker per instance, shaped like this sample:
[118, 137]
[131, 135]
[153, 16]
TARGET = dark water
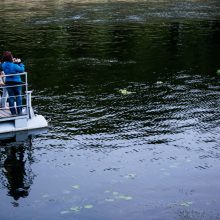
[132, 96]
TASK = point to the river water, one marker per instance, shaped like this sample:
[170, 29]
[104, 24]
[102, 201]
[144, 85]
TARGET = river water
[131, 94]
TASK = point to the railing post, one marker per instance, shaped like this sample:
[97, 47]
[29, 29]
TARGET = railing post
[29, 105]
[26, 82]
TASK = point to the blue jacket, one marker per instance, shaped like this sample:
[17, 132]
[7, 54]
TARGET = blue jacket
[12, 68]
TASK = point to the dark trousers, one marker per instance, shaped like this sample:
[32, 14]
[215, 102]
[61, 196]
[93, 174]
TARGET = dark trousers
[15, 94]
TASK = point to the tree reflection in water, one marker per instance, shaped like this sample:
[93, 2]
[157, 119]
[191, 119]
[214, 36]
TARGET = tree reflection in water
[16, 173]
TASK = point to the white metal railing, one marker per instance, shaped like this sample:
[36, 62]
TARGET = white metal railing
[26, 95]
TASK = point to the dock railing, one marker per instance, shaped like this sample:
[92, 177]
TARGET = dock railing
[25, 96]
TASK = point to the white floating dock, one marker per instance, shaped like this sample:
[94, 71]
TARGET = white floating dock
[21, 123]
[20, 127]
[27, 121]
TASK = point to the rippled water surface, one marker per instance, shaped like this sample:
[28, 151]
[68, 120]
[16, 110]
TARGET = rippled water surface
[132, 97]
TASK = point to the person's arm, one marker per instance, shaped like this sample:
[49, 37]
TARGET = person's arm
[20, 67]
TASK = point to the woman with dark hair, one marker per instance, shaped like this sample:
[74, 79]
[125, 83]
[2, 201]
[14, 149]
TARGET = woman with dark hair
[13, 83]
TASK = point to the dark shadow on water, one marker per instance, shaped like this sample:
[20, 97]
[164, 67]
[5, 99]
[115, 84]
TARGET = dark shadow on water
[18, 182]
[16, 159]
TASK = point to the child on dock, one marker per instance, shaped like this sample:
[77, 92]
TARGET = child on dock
[4, 92]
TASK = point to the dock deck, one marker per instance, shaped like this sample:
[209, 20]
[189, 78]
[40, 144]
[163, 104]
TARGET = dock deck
[4, 113]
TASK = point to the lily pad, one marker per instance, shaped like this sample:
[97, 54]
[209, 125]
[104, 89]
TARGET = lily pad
[88, 206]
[186, 204]
[64, 212]
[124, 197]
[45, 196]
[130, 176]
[109, 200]
[75, 209]
[124, 92]
[75, 186]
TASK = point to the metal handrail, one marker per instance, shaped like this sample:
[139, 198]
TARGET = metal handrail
[5, 86]
[14, 74]
[27, 95]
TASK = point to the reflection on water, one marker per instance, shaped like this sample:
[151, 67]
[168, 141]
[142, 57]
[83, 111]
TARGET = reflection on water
[133, 97]
[16, 173]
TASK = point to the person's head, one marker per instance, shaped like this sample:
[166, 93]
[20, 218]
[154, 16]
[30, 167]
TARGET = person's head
[7, 56]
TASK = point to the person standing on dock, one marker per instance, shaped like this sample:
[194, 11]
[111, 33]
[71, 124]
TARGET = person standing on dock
[4, 92]
[13, 82]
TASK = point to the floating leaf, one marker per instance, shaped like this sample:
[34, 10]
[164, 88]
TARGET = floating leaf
[130, 176]
[125, 197]
[109, 200]
[186, 204]
[88, 206]
[75, 186]
[75, 209]
[64, 212]
[45, 196]
[124, 91]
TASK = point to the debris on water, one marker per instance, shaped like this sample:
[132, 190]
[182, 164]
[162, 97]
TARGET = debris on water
[109, 200]
[117, 196]
[88, 206]
[125, 197]
[159, 82]
[218, 72]
[75, 186]
[186, 204]
[130, 176]
[64, 212]
[75, 209]
[45, 196]
[125, 92]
